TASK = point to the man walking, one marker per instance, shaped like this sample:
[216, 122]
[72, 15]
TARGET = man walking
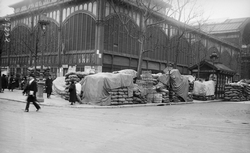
[31, 89]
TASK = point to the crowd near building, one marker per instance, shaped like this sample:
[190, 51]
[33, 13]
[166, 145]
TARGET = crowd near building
[89, 35]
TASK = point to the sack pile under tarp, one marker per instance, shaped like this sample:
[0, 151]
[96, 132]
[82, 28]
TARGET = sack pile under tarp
[178, 82]
[96, 87]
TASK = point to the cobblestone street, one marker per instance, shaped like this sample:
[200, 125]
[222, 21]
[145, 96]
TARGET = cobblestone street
[202, 127]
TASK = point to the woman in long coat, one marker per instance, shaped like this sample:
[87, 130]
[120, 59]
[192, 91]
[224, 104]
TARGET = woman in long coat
[4, 82]
[48, 86]
[72, 92]
[12, 83]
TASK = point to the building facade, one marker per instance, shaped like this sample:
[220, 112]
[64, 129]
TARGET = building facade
[89, 34]
[236, 31]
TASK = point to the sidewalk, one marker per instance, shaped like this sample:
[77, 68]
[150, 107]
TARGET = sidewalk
[55, 100]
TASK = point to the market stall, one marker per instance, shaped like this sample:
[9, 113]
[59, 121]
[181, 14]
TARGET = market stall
[218, 72]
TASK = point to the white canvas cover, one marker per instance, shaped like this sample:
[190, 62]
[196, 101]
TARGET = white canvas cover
[204, 88]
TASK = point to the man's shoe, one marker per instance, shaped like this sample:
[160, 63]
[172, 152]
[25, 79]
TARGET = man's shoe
[26, 110]
[38, 109]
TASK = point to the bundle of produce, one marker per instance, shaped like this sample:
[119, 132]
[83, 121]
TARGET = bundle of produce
[233, 92]
[121, 96]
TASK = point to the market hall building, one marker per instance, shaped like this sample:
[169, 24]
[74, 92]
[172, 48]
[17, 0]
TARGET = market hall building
[87, 34]
[236, 31]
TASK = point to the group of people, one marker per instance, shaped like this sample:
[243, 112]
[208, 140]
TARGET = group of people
[9, 82]
[31, 89]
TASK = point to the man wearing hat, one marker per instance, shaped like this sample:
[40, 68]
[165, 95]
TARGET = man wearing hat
[31, 89]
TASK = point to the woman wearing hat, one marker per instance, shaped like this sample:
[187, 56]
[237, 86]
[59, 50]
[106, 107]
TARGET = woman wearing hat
[72, 92]
[31, 89]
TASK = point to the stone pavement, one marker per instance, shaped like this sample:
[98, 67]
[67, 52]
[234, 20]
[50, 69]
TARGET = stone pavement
[56, 100]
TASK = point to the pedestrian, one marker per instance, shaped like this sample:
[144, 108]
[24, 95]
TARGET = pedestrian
[24, 83]
[48, 86]
[4, 82]
[12, 83]
[72, 92]
[31, 89]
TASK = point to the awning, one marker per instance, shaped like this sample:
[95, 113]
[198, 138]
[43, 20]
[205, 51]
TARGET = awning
[208, 66]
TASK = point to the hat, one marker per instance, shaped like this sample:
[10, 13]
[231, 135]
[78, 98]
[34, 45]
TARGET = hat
[32, 75]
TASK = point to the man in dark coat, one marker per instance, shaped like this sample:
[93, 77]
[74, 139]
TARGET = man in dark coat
[72, 92]
[4, 82]
[12, 83]
[31, 89]
[48, 86]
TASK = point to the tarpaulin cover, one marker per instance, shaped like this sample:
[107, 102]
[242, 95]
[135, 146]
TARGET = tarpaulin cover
[204, 88]
[59, 86]
[178, 82]
[96, 87]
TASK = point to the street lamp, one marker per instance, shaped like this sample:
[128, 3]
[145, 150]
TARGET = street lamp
[43, 22]
[213, 57]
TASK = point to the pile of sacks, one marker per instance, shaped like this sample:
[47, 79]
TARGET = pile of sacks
[233, 92]
[165, 95]
[123, 95]
[72, 76]
[75, 76]
[237, 92]
[246, 91]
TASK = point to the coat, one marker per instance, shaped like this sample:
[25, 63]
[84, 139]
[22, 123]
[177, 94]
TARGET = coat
[31, 89]
[4, 82]
[72, 93]
[12, 83]
[48, 85]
